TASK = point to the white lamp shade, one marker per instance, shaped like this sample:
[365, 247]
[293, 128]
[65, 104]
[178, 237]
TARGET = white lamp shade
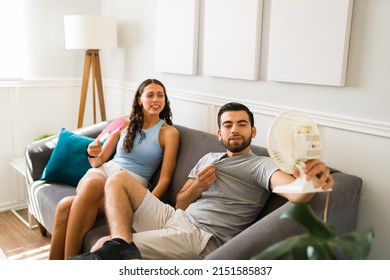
[90, 32]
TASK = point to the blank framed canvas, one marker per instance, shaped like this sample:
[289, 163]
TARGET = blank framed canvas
[231, 38]
[177, 27]
[308, 41]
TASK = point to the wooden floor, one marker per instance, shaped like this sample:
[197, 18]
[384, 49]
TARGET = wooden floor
[18, 242]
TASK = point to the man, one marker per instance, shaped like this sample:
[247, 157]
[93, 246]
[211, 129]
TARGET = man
[223, 195]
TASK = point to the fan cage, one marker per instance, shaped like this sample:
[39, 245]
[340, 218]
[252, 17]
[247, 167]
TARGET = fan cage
[280, 140]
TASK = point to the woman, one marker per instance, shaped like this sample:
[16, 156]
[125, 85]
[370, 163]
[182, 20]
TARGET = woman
[149, 140]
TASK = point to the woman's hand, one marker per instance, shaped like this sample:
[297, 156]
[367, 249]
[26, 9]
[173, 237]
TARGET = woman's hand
[94, 149]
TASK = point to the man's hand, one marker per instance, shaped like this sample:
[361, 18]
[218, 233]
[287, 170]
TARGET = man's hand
[194, 188]
[316, 168]
[205, 178]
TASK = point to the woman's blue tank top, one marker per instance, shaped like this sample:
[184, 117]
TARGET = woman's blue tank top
[145, 157]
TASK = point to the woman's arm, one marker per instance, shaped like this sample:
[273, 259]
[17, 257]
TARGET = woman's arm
[101, 153]
[169, 142]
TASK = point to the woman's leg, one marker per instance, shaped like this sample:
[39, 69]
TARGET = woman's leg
[87, 205]
[57, 246]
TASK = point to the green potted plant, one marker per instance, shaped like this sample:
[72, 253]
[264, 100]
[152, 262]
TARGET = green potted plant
[321, 241]
[43, 136]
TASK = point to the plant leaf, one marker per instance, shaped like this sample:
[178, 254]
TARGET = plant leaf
[321, 242]
[279, 251]
[354, 245]
[303, 214]
[300, 247]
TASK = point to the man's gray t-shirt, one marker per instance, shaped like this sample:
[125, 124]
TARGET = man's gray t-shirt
[237, 196]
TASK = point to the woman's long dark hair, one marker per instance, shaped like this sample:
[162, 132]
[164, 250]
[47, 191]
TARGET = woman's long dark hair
[137, 116]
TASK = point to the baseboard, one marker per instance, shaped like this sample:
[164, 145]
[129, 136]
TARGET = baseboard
[2, 255]
[7, 206]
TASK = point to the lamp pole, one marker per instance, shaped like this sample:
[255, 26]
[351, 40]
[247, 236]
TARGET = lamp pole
[92, 61]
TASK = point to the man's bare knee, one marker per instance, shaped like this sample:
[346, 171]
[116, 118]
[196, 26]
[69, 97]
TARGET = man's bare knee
[123, 179]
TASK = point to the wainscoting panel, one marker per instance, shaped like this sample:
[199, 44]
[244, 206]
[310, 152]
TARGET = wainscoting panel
[194, 115]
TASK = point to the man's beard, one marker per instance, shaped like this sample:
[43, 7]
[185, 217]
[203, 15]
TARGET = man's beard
[236, 148]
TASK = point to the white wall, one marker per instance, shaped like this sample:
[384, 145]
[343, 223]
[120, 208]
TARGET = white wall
[355, 119]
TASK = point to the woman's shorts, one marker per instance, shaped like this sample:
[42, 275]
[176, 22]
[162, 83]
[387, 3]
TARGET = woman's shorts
[109, 168]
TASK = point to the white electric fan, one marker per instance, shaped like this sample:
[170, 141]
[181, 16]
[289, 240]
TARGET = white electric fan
[294, 138]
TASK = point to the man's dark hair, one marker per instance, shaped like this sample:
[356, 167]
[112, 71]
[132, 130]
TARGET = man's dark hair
[234, 106]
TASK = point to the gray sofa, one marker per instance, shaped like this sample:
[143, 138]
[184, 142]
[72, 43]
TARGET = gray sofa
[268, 229]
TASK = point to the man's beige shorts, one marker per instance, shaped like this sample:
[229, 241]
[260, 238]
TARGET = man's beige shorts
[165, 233]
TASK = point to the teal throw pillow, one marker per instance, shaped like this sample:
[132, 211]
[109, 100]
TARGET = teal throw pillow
[68, 163]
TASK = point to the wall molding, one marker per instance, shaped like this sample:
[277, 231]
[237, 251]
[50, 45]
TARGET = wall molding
[42, 82]
[348, 123]
[353, 124]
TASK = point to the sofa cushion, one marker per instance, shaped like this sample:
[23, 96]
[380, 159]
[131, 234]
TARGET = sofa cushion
[68, 163]
[44, 198]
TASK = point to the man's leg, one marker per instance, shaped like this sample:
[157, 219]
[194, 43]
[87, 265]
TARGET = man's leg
[124, 194]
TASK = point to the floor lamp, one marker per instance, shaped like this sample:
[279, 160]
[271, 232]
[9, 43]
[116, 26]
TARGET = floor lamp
[91, 33]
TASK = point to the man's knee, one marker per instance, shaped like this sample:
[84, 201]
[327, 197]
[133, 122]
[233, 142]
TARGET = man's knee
[122, 179]
[122, 182]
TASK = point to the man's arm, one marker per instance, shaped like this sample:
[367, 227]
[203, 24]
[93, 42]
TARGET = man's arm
[313, 168]
[194, 188]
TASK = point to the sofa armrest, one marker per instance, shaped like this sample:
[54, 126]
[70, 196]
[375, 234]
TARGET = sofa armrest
[258, 237]
[344, 202]
[342, 214]
[36, 156]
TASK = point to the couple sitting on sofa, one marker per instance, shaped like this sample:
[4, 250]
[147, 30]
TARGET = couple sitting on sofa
[223, 195]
